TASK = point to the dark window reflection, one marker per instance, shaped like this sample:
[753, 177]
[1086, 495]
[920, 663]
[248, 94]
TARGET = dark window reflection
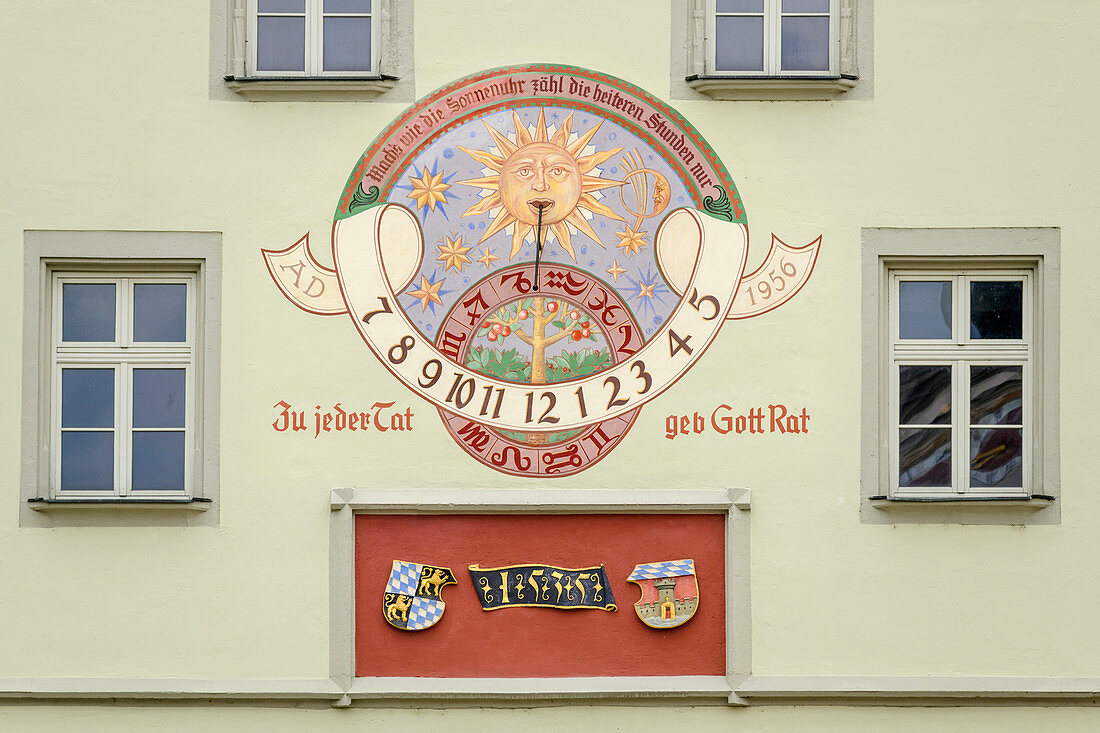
[996, 395]
[996, 457]
[925, 395]
[925, 309]
[997, 310]
[924, 458]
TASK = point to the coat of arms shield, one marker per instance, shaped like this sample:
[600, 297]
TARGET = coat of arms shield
[670, 593]
[412, 601]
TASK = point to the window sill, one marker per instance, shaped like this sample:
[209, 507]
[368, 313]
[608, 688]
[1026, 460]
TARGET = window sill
[148, 504]
[1038, 509]
[1019, 502]
[771, 87]
[309, 88]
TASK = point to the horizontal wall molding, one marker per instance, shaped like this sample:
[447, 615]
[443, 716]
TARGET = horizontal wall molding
[573, 501]
[755, 690]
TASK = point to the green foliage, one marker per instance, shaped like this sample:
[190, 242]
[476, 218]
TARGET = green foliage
[573, 364]
[508, 364]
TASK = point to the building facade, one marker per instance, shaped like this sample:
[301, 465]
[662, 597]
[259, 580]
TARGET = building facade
[313, 288]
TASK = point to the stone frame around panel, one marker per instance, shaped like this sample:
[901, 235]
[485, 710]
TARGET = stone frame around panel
[346, 503]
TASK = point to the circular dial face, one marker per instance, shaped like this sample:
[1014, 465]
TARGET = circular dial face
[507, 168]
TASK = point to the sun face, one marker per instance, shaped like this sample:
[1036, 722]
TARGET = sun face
[538, 174]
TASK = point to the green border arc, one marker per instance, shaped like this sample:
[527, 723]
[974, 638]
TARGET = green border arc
[726, 206]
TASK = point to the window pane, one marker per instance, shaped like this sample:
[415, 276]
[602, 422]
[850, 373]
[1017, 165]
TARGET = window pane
[924, 457]
[281, 44]
[159, 398]
[739, 44]
[347, 6]
[88, 312]
[925, 309]
[805, 6]
[996, 395]
[160, 312]
[281, 6]
[87, 398]
[158, 461]
[805, 43]
[925, 397]
[347, 44]
[996, 457]
[740, 6]
[88, 461]
[997, 310]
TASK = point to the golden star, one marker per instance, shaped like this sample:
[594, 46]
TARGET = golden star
[646, 291]
[427, 293]
[428, 190]
[452, 254]
[630, 241]
[614, 271]
[488, 258]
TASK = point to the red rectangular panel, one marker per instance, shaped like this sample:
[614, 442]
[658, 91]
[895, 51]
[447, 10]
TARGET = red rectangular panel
[539, 642]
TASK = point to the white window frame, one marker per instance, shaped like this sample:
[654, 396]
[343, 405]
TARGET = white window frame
[1031, 254]
[773, 45]
[959, 353]
[122, 356]
[314, 42]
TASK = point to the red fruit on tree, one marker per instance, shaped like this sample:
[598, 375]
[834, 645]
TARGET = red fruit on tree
[492, 336]
[573, 315]
[576, 335]
[523, 314]
[585, 332]
[496, 327]
[506, 330]
[585, 324]
[551, 306]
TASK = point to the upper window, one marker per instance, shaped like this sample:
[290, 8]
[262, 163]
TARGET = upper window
[960, 374]
[312, 38]
[123, 397]
[773, 37]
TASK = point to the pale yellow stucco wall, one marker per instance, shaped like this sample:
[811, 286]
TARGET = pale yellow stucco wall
[983, 114]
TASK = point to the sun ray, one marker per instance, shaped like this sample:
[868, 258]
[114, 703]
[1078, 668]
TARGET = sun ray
[589, 162]
[564, 237]
[484, 205]
[592, 183]
[579, 144]
[517, 238]
[489, 182]
[503, 219]
[578, 220]
[507, 147]
[597, 208]
[523, 137]
[561, 137]
[540, 127]
[487, 159]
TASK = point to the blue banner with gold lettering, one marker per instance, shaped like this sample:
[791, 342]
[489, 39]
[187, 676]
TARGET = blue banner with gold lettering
[543, 586]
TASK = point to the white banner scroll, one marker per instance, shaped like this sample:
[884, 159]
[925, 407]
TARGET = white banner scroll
[381, 246]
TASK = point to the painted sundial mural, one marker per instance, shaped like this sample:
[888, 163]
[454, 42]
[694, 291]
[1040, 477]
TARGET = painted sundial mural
[539, 251]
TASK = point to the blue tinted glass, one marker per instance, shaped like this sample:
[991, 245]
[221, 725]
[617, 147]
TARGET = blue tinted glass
[996, 457]
[805, 43]
[87, 461]
[924, 457]
[740, 6]
[926, 310]
[88, 312]
[347, 44]
[997, 309]
[87, 398]
[805, 6]
[281, 43]
[347, 6]
[739, 43]
[158, 461]
[158, 398]
[281, 6]
[160, 312]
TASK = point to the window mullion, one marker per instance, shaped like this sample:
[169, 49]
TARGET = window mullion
[772, 38]
[960, 420]
[123, 421]
[315, 36]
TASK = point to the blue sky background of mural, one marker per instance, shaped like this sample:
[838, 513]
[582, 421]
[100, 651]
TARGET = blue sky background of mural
[441, 166]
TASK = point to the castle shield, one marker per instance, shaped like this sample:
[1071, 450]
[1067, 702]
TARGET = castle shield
[412, 599]
[670, 593]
